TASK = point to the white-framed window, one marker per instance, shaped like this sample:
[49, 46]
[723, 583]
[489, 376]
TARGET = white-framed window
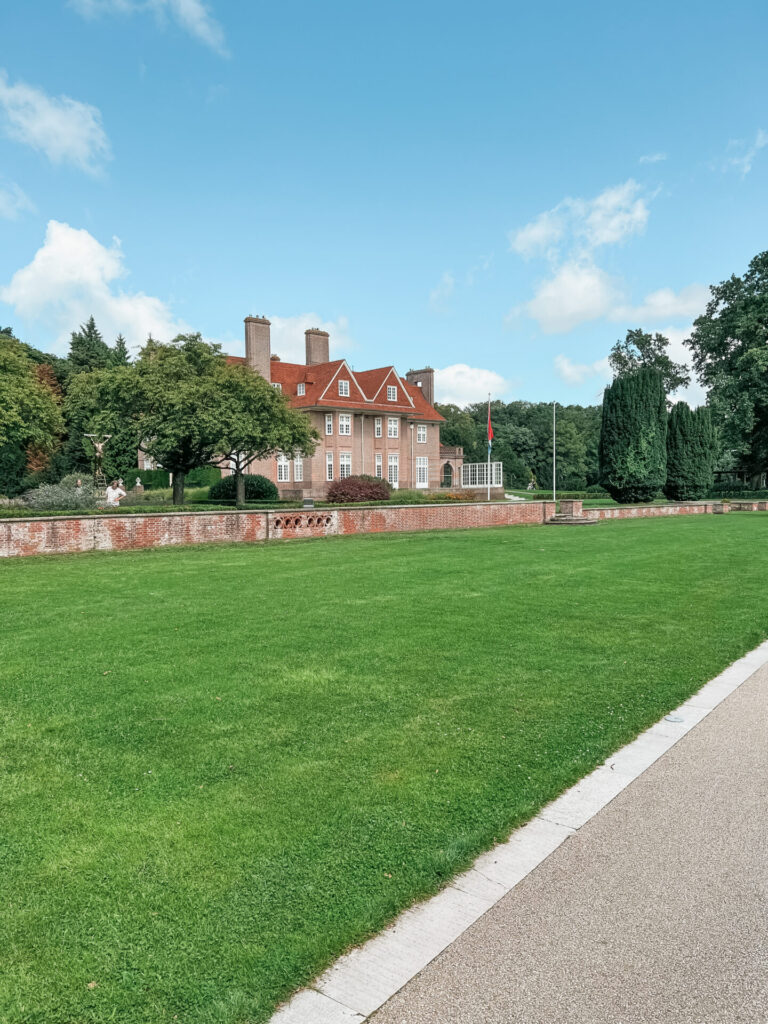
[329, 423]
[276, 384]
[377, 427]
[345, 423]
[345, 465]
[379, 469]
[421, 433]
[344, 388]
[298, 468]
[393, 426]
[391, 393]
[422, 471]
[393, 469]
[283, 469]
[301, 389]
[329, 465]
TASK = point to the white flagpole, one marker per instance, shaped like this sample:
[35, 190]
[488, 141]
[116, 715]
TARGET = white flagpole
[488, 440]
[554, 451]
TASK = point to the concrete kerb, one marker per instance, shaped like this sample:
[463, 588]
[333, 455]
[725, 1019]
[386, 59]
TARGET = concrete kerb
[361, 981]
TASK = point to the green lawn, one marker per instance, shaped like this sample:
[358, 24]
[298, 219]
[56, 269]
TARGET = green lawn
[223, 765]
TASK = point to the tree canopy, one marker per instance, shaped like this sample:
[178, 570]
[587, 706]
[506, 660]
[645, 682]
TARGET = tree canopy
[729, 344]
[30, 414]
[641, 350]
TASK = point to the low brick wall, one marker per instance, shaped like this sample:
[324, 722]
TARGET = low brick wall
[648, 511]
[65, 534]
[56, 535]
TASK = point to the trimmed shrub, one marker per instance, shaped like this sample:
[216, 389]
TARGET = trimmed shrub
[257, 488]
[633, 437]
[203, 476]
[690, 453]
[64, 495]
[358, 488]
[151, 479]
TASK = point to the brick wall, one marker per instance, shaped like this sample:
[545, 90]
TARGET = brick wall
[648, 511]
[66, 534]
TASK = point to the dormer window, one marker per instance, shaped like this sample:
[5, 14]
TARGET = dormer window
[301, 389]
[391, 393]
[344, 389]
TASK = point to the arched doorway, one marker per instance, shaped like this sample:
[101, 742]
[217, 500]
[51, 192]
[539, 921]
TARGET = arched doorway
[447, 480]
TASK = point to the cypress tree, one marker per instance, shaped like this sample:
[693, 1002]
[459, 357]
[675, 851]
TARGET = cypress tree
[633, 437]
[690, 453]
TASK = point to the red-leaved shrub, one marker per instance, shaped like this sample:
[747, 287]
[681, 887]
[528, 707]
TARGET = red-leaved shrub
[358, 488]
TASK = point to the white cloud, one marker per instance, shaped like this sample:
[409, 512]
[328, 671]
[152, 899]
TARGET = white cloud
[193, 16]
[666, 304]
[694, 394]
[653, 158]
[576, 373]
[70, 278]
[741, 154]
[461, 384]
[67, 131]
[443, 290]
[14, 201]
[579, 291]
[614, 214]
[541, 235]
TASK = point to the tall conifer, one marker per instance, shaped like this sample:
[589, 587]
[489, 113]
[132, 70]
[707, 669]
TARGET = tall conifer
[690, 453]
[633, 437]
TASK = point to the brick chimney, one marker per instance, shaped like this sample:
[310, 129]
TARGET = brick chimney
[425, 379]
[257, 348]
[316, 345]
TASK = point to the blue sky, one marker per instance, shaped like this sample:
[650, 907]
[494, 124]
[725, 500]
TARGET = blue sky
[498, 190]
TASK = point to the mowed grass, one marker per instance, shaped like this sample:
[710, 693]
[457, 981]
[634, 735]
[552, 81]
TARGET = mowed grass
[221, 766]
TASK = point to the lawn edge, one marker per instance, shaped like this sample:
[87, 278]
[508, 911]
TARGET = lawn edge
[362, 980]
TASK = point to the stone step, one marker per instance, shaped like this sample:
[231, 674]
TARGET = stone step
[563, 520]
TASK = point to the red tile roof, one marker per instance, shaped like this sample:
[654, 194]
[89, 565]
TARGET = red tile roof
[366, 388]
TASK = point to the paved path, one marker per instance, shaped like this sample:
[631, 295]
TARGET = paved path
[656, 910]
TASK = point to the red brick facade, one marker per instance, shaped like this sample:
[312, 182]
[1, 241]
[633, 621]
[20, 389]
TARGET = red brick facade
[369, 421]
[68, 534]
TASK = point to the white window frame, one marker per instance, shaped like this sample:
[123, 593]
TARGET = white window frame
[276, 384]
[422, 471]
[345, 465]
[328, 423]
[421, 433]
[377, 427]
[391, 392]
[345, 423]
[301, 389]
[379, 465]
[329, 465]
[393, 426]
[343, 389]
[393, 470]
[298, 469]
[283, 469]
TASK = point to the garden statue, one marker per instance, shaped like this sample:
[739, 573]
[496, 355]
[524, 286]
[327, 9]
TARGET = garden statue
[99, 479]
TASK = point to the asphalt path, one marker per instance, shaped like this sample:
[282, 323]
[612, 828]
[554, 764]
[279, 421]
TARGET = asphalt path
[656, 910]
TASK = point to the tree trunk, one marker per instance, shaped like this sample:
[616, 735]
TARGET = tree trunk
[178, 488]
[239, 488]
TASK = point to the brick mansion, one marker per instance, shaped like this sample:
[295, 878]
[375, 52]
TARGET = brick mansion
[370, 421]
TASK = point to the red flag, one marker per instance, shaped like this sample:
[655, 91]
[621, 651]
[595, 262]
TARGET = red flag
[490, 427]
